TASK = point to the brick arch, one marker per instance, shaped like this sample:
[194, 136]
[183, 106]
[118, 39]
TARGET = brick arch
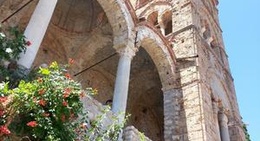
[160, 53]
[121, 21]
[211, 75]
[157, 6]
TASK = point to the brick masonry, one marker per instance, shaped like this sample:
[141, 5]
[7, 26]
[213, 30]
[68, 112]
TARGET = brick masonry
[180, 65]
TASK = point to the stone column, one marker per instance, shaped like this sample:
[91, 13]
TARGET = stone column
[161, 24]
[122, 82]
[216, 121]
[36, 29]
[223, 123]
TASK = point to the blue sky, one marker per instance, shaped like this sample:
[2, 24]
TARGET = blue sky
[240, 22]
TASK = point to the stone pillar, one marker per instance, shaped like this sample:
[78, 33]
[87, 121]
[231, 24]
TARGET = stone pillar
[36, 29]
[223, 123]
[216, 120]
[162, 28]
[122, 82]
[161, 24]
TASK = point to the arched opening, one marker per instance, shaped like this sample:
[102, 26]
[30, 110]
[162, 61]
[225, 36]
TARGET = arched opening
[141, 3]
[80, 30]
[90, 40]
[168, 29]
[153, 18]
[145, 99]
[156, 72]
[167, 21]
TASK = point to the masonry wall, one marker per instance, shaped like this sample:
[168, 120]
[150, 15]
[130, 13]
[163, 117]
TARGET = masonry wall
[204, 84]
[205, 77]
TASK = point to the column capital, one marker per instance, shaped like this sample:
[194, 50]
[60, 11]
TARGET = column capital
[129, 52]
[223, 117]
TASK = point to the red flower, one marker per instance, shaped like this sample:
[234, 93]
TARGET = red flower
[3, 99]
[41, 91]
[64, 103]
[42, 102]
[4, 130]
[66, 92]
[32, 124]
[28, 43]
[2, 112]
[71, 61]
[67, 75]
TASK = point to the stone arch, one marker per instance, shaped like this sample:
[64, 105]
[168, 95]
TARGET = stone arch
[214, 77]
[121, 21]
[160, 54]
[157, 6]
[153, 18]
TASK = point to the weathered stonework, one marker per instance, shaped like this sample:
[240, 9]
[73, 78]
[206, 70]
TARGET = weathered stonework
[180, 83]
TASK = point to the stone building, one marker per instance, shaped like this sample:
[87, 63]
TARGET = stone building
[162, 61]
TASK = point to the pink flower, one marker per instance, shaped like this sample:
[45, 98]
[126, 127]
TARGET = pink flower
[4, 130]
[32, 124]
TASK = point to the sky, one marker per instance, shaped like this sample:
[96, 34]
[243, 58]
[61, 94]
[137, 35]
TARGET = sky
[240, 22]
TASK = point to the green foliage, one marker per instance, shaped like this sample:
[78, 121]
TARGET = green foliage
[12, 44]
[98, 130]
[142, 136]
[49, 108]
[46, 105]
[246, 133]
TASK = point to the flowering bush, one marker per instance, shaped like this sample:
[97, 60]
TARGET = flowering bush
[44, 108]
[48, 109]
[12, 43]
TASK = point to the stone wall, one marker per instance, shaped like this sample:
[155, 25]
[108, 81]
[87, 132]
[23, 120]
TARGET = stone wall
[94, 108]
[132, 134]
[189, 64]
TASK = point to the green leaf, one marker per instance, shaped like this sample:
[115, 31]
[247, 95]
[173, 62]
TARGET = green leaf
[44, 71]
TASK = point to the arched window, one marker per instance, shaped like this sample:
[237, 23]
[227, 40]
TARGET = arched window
[167, 22]
[153, 18]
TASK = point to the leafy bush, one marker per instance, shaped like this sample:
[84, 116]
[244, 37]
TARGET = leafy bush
[48, 106]
[12, 44]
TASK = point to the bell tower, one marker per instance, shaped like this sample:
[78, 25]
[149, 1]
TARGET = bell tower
[209, 101]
